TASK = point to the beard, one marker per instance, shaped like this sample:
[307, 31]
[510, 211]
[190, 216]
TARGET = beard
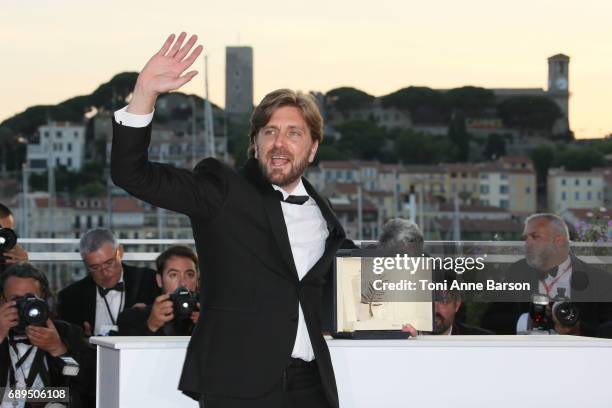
[277, 176]
[440, 324]
[540, 258]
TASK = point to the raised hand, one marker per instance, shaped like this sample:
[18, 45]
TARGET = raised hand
[8, 318]
[161, 313]
[164, 72]
[46, 338]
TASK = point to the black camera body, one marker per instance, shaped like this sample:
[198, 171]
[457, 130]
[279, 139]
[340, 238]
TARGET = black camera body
[8, 240]
[566, 312]
[31, 310]
[184, 302]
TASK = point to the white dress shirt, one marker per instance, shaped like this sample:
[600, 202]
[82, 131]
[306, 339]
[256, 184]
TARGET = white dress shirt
[306, 228]
[116, 303]
[21, 373]
[307, 232]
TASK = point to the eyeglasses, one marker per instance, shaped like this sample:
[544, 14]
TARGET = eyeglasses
[104, 266]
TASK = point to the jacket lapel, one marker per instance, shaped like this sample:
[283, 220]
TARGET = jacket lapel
[4, 362]
[274, 214]
[89, 297]
[131, 282]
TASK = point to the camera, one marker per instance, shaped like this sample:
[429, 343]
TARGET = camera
[31, 310]
[8, 240]
[539, 313]
[184, 303]
[566, 313]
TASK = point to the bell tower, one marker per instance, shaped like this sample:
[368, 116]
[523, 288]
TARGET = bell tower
[558, 88]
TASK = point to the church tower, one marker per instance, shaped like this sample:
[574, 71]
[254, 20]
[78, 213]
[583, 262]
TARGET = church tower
[558, 89]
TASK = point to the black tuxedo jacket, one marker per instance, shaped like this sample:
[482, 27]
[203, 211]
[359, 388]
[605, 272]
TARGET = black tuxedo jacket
[250, 286]
[72, 337]
[591, 288]
[133, 322]
[77, 302]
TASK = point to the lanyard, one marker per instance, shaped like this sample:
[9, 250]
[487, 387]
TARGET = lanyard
[548, 287]
[37, 367]
[113, 320]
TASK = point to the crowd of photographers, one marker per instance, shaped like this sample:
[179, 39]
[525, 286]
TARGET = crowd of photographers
[42, 346]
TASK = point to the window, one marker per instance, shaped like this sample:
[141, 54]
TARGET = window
[588, 182]
[577, 195]
[589, 196]
[70, 162]
[484, 189]
[563, 182]
[100, 221]
[503, 189]
[76, 134]
[503, 176]
[46, 133]
[577, 182]
[503, 203]
[563, 196]
[484, 176]
[58, 134]
[527, 190]
[69, 147]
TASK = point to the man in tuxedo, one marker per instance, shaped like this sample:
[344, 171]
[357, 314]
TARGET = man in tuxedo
[177, 267]
[94, 302]
[35, 357]
[265, 238]
[552, 270]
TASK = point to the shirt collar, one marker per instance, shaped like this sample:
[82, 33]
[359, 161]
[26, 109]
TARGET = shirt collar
[299, 190]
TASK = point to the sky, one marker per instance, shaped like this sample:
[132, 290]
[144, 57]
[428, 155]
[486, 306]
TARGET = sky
[53, 50]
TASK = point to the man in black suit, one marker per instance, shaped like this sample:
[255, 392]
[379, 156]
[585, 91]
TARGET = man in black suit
[551, 270]
[95, 301]
[177, 268]
[35, 357]
[265, 238]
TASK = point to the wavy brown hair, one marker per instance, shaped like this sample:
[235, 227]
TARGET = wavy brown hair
[278, 99]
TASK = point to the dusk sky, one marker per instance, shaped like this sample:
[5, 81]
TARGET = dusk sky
[53, 50]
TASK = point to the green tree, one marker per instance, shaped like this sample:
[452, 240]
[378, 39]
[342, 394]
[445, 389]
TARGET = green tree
[460, 137]
[470, 99]
[347, 98]
[529, 113]
[361, 139]
[543, 158]
[495, 147]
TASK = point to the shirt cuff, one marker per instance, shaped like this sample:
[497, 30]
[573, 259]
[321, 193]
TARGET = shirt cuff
[125, 118]
[522, 323]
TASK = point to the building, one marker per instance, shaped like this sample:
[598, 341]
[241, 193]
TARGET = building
[59, 144]
[238, 80]
[574, 189]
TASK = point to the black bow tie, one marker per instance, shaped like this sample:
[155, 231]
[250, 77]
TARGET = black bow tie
[20, 339]
[553, 271]
[293, 199]
[119, 287]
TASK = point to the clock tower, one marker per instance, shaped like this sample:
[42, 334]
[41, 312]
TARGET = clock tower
[558, 88]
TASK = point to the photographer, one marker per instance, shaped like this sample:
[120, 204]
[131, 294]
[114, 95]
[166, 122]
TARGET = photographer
[34, 356]
[17, 253]
[555, 275]
[177, 268]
